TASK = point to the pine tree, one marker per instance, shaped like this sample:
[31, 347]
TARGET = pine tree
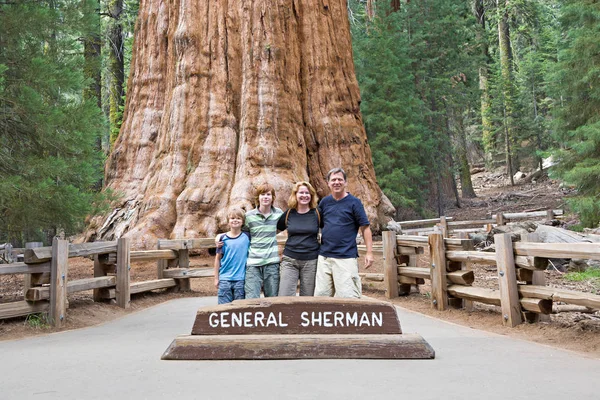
[48, 129]
[577, 81]
[390, 106]
[417, 69]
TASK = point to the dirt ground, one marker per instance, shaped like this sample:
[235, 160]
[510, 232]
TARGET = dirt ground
[573, 331]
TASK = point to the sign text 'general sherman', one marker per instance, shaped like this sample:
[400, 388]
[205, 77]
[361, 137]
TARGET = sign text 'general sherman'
[326, 319]
[300, 316]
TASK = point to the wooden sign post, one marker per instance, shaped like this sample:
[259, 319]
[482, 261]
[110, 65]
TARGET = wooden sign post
[298, 328]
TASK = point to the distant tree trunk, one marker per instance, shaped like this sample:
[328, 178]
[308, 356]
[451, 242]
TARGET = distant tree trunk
[227, 95]
[487, 130]
[116, 66]
[92, 45]
[506, 72]
[370, 8]
[466, 185]
[92, 50]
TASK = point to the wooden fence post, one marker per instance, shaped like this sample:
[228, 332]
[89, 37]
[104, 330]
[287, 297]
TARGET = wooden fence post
[99, 271]
[184, 285]
[507, 280]
[500, 219]
[27, 277]
[123, 293]
[409, 260]
[439, 287]
[444, 227]
[58, 282]
[538, 278]
[390, 266]
[161, 265]
[467, 245]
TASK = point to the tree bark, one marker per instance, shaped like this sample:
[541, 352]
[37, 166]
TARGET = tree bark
[224, 95]
[487, 128]
[464, 170]
[92, 48]
[506, 67]
[116, 66]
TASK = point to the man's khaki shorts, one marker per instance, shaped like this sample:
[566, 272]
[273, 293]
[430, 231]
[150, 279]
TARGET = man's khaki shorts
[338, 277]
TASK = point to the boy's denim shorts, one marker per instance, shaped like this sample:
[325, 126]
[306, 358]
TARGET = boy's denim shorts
[230, 290]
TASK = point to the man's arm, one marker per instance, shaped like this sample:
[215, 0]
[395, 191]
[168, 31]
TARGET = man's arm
[218, 241]
[368, 237]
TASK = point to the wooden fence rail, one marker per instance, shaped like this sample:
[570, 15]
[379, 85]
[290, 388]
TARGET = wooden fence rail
[521, 293]
[448, 226]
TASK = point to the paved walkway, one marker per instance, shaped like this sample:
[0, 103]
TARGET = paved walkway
[121, 360]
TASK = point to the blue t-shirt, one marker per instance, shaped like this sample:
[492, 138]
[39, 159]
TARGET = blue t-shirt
[235, 254]
[341, 220]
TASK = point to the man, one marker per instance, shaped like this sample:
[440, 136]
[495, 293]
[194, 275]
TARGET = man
[343, 215]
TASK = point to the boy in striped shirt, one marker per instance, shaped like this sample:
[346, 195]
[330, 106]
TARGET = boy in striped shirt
[262, 267]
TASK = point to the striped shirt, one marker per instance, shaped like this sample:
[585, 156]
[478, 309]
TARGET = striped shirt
[263, 240]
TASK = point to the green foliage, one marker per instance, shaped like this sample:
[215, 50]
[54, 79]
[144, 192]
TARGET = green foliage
[417, 71]
[392, 112]
[577, 82]
[37, 321]
[48, 131]
[589, 274]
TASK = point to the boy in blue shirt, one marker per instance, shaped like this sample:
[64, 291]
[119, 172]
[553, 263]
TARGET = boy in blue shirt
[230, 261]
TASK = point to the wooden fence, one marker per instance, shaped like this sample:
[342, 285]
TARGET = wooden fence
[448, 226]
[46, 283]
[522, 293]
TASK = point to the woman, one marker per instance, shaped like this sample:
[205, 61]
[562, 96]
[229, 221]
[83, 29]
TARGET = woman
[302, 221]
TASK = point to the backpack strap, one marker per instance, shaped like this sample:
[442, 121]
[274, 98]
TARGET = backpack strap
[287, 215]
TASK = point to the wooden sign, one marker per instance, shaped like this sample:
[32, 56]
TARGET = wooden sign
[298, 328]
[298, 315]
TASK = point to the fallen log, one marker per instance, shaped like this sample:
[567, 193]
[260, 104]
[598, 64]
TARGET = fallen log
[560, 308]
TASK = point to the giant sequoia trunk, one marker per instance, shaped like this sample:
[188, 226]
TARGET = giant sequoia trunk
[226, 94]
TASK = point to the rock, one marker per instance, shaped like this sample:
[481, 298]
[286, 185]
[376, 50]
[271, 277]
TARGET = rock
[478, 238]
[548, 162]
[519, 175]
[593, 264]
[549, 234]
[577, 265]
[591, 231]
[394, 226]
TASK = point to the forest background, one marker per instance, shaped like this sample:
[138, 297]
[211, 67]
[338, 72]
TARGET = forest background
[444, 84]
